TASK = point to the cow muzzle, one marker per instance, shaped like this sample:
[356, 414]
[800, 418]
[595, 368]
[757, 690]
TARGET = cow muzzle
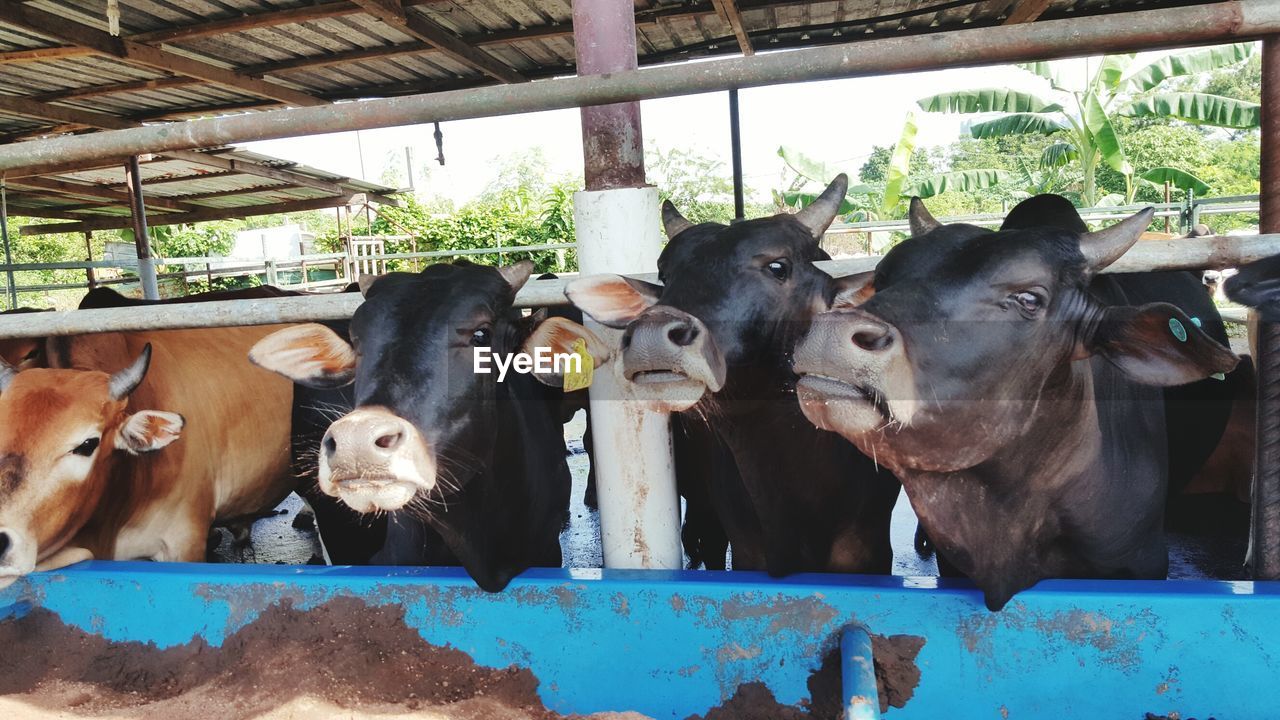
[854, 374]
[17, 556]
[671, 354]
[373, 460]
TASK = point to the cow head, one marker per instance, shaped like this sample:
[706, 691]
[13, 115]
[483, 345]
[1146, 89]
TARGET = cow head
[731, 296]
[961, 336]
[60, 431]
[1258, 286]
[425, 420]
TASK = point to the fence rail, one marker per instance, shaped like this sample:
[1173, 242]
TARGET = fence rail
[1215, 252]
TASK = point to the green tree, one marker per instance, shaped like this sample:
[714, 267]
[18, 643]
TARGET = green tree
[1085, 116]
[698, 184]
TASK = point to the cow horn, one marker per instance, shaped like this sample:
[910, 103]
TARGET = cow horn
[7, 373]
[673, 223]
[124, 382]
[1103, 247]
[518, 274]
[365, 283]
[922, 221]
[817, 215]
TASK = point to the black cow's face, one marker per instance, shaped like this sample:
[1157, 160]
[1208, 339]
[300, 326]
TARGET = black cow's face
[968, 335]
[1258, 286]
[730, 296]
[425, 419]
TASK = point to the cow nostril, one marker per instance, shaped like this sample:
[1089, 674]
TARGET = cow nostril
[873, 339]
[626, 338]
[5, 542]
[330, 445]
[682, 334]
[389, 441]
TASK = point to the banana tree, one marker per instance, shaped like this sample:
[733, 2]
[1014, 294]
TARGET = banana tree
[1084, 113]
[873, 201]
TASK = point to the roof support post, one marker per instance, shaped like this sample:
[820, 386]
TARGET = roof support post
[1265, 541]
[8, 254]
[616, 221]
[735, 147]
[141, 240]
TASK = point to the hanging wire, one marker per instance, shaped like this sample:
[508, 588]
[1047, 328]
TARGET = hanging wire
[439, 144]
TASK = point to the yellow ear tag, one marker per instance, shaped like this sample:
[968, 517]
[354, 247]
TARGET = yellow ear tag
[581, 379]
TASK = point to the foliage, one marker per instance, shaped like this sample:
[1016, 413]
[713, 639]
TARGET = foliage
[696, 183]
[1086, 117]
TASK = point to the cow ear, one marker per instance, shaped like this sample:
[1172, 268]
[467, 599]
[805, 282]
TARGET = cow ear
[1157, 344]
[560, 336]
[612, 300]
[148, 430]
[311, 355]
[853, 290]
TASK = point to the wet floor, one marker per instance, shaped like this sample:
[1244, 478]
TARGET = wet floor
[284, 538]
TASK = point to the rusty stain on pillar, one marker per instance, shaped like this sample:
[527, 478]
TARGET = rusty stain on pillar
[1266, 481]
[604, 36]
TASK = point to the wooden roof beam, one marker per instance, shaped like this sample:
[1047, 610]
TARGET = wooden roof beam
[201, 215]
[97, 191]
[48, 24]
[728, 10]
[1025, 11]
[45, 53]
[392, 12]
[271, 173]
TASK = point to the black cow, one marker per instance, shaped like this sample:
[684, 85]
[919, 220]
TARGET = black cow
[1016, 393]
[713, 342]
[1258, 286]
[471, 470]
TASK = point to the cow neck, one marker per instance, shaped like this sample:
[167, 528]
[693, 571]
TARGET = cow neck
[1004, 521]
[803, 482]
[488, 525]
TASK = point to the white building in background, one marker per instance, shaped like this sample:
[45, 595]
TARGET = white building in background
[286, 242]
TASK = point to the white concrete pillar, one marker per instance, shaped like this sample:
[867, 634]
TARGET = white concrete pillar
[619, 232]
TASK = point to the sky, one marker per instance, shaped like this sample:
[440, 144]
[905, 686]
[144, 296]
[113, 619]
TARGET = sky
[835, 121]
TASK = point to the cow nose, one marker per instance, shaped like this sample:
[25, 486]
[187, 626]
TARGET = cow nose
[369, 434]
[682, 332]
[5, 544]
[872, 336]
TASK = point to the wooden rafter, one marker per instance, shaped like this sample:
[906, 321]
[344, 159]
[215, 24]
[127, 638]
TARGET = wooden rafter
[423, 28]
[728, 10]
[26, 107]
[46, 53]
[201, 215]
[1025, 11]
[97, 191]
[80, 35]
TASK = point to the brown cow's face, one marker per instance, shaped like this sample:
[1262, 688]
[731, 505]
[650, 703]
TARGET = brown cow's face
[59, 433]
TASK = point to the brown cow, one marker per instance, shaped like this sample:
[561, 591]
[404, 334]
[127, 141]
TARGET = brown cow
[89, 466]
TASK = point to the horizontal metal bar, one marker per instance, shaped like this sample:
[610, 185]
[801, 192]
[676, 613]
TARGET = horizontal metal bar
[1073, 37]
[1214, 252]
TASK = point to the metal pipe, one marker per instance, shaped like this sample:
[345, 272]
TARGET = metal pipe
[1200, 253]
[604, 33]
[861, 697]
[1073, 37]
[141, 239]
[615, 222]
[735, 146]
[1265, 538]
[8, 253]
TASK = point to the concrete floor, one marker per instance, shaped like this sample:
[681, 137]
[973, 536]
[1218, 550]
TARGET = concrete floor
[274, 539]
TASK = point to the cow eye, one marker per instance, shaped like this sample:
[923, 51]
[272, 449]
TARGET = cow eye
[86, 448]
[780, 269]
[1027, 301]
[482, 337]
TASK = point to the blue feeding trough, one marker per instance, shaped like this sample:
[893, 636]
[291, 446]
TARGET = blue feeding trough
[677, 644]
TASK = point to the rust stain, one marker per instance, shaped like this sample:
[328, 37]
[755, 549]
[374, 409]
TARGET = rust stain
[805, 616]
[677, 603]
[621, 605]
[734, 651]
[1004, 712]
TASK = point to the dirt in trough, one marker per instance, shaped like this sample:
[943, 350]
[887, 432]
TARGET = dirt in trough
[341, 659]
[897, 676]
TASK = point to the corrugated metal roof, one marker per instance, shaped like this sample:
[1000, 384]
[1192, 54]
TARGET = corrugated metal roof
[331, 49]
[177, 187]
